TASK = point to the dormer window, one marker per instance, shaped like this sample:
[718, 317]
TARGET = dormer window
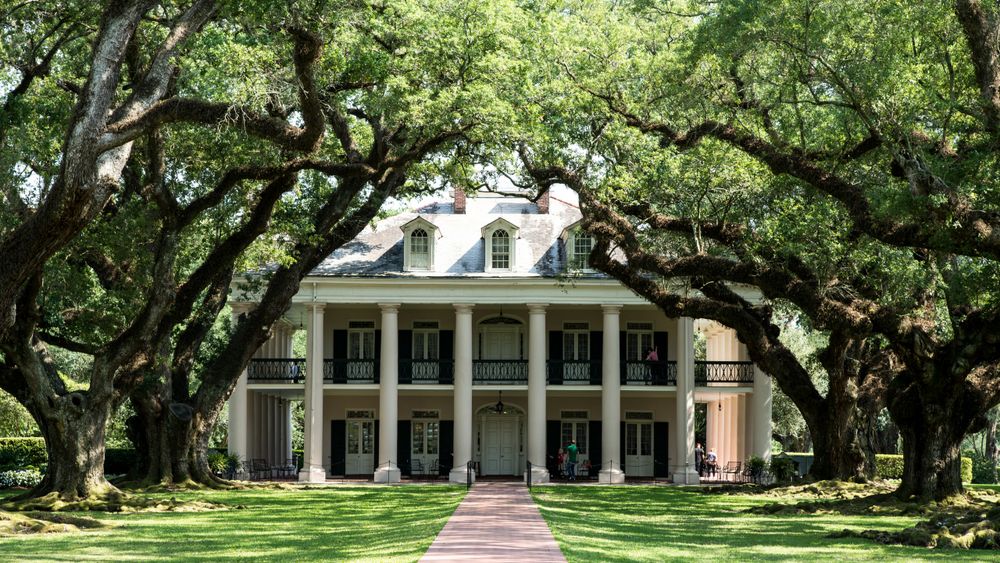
[500, 237]
[582, 244]
[418, 245]
[578, 244]
[500, 247]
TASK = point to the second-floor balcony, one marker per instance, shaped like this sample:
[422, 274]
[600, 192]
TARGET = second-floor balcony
[501, 372]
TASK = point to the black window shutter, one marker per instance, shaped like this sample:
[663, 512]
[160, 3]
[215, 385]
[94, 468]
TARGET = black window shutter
[596, 438]
[623, 346]
[338, 447]
[622, 444]
[446, 341]
[403, 447]
[553, 435]
[446, 447]
[340, 344]
[405, 355]
[597, 355]
[555, 357]
[660, 342]
[661, 460]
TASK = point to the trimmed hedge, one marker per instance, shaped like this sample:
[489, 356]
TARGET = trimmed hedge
[19, 453]
[890, 466]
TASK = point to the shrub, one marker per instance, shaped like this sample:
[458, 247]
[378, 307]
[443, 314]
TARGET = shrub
[222, 463]
[983, 470]
[26, 478]
[783, 468]
[19, 453]
[890, 466]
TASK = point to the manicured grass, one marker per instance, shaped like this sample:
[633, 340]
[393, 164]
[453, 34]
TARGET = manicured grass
[674, 524]
[331, 524]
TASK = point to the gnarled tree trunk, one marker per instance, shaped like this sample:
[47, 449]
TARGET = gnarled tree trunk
[838, 449]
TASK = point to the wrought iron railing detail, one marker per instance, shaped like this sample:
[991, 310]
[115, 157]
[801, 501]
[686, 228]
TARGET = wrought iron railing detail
[574, 372]
[649, 373]
[707, 373]
[350, 371]
[500, 372]
[427, 371]
[276, 370]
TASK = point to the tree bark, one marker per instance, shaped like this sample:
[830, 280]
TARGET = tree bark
[74, 434]
[839, 451]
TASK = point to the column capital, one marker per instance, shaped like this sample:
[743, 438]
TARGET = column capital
[537, 307]
[316, 306]
[612, 308]
[389, 307]
[464, 307]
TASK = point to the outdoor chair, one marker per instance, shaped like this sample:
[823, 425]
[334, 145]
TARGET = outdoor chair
[259, 469]
[732, 468]
[416, 468]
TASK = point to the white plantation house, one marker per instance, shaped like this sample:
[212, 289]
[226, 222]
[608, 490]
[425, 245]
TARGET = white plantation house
[470, 330]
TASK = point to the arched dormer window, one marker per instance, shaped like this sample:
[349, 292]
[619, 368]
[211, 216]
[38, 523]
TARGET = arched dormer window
[500, 247]
[418, 245]
[500, 238]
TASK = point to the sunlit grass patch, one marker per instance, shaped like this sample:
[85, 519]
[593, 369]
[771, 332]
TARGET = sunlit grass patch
[668, 523]
[334, 523]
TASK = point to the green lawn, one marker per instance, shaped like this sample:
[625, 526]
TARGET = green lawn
[673, 524]
[335, 523]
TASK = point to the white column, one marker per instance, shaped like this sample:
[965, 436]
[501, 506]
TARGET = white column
[536, 393]
[611, 406]
[387, 470]
[741, 434]
[288, 429]
[731, 416]
[313, 470]
[760, 410]
[710, 410]
[462, 449]
[236, 443]
[684, 471]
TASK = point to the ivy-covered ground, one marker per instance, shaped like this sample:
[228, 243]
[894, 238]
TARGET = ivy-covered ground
[322, 524]
[679, 524]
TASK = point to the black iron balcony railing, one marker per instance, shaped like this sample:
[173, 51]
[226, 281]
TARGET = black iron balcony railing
[649, 373]
[708, 373]
[276, 370]
[350, 371]
[500, 372]
[427, 372]
[574, 372]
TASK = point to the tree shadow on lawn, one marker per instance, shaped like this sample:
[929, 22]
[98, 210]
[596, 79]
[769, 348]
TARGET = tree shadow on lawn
[661, 523]
[321, 524]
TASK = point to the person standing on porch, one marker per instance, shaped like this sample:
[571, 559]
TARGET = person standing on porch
[699, 458]
[571, 460]
[652, 355]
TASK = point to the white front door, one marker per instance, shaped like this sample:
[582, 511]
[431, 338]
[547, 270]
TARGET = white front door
[639, 449]
[500, 445]
[360, 447]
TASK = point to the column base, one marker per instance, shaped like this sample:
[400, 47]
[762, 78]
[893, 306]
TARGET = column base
[460, 476]
[387, 475]
[686, 476]
[315, 474]
[613, 476]
[539, 475]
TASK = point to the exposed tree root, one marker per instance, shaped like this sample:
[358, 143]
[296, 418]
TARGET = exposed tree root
[873, 498]
[114, 501]
[972, 529]
[44, 523]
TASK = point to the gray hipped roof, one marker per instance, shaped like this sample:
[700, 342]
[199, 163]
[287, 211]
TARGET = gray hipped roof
[459, 250]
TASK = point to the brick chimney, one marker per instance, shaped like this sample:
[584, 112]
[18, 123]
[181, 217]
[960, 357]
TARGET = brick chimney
[543, 202]
[459, 201]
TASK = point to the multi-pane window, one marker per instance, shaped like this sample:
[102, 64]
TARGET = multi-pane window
[576, 342]
[582, 245]
[425, 343]
[426, 434]
[500, 250]
[420, 250]
[638, 341]
[575, 430]
[361, 340]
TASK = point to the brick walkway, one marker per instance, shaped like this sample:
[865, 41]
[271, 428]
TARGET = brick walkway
[498, 522]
